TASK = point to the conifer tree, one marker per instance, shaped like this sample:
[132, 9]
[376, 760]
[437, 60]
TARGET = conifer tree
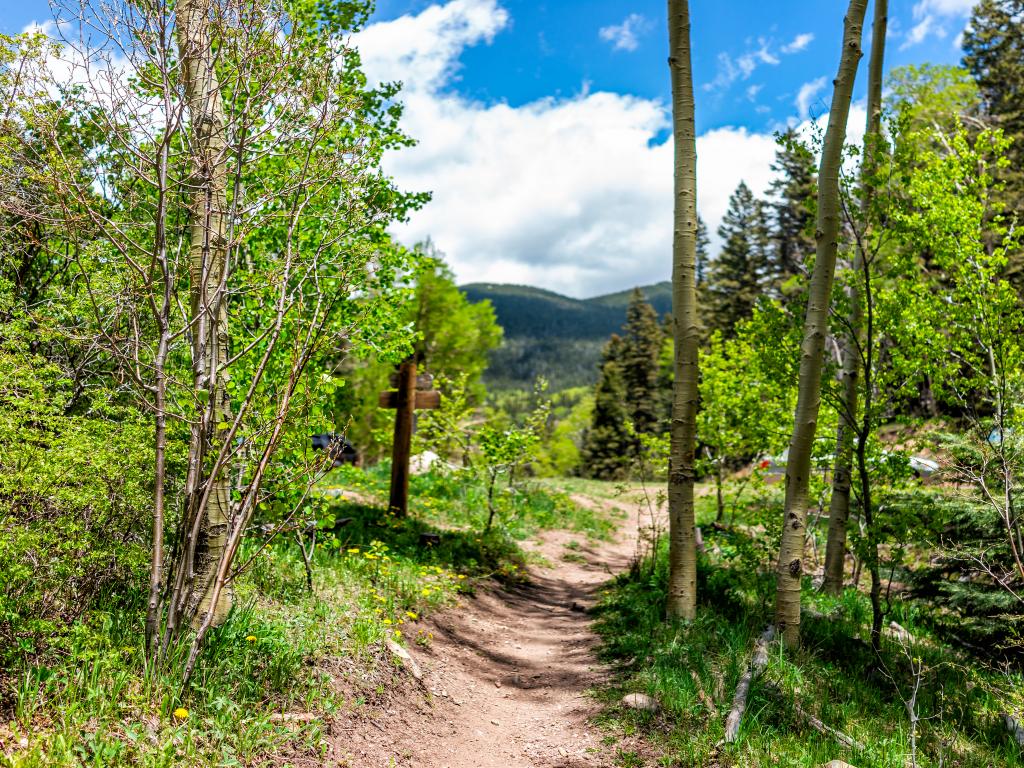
[640, 349]
[737, 275]
[994, 53]
[792, 207]
[608, 445]
[703, 253]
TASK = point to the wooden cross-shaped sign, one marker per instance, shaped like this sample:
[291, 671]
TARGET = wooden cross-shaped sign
[410, 392]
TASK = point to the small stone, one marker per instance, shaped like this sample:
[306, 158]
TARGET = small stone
[497, 683]
[495, 722]
[407, 661]
[640, 701]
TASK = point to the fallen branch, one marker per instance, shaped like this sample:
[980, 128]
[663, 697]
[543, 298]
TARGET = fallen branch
[808, 719]
[739, 701]
[1015, 727]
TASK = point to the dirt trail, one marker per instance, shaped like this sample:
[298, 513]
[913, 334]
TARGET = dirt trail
[506, 675]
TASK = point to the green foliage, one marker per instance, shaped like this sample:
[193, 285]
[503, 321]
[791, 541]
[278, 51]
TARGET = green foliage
[679, 664]
[453, 338]
[993, 46]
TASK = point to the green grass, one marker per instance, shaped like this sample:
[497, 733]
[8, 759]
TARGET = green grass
[836, 677]
[92, 700]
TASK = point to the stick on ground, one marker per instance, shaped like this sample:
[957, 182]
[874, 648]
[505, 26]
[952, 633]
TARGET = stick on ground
[739, 701]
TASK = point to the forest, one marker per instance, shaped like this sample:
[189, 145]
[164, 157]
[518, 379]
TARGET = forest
[276, 490]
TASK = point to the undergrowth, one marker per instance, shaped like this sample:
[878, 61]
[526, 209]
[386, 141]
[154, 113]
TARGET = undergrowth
[92, 699]
[836, 677]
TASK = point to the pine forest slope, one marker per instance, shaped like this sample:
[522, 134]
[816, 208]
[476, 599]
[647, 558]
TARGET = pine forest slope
[554, 336]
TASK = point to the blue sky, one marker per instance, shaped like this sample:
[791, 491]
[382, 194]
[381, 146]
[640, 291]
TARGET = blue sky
[543, 126]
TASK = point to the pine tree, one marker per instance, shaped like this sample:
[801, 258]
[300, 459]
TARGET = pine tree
[641, 347]
[994, 53]
[738, 274]
[792, 207]
[608, 445]
[703, 253]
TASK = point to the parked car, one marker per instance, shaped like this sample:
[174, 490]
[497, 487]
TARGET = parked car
[337, 447]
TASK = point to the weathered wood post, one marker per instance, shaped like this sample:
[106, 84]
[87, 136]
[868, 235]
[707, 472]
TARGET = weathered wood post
[412, 392]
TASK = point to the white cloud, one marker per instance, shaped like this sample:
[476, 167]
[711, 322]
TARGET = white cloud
[806, 96]
[798, 43]
[932, 17]
[573, 194]
[730, 70]
[753, 90]
[625, 36]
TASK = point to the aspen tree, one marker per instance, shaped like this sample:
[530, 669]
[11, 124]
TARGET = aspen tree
[839, 505]
[798, 467]
[682, 586]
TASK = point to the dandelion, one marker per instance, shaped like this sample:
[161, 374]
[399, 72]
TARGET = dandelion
[181, 713]
[462, 575]
[387, 622]
[411, 615]
[251, 638]
[425, 592]
[353, 551]
[398, 634]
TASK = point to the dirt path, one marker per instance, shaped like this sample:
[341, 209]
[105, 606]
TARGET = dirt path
[505, 678]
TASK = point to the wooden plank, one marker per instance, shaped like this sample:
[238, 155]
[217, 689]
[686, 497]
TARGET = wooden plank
[423, 381]
[424, 400]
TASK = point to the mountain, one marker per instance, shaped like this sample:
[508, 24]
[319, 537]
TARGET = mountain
[550, 335]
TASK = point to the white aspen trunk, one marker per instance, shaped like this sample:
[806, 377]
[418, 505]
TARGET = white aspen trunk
[682, 586]
[209, 318]
[798, 468]
[839, 505]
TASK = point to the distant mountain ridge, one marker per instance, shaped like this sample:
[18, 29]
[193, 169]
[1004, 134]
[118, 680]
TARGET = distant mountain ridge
[555, 336]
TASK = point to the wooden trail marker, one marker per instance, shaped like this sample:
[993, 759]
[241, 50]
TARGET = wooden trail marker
[412, 392]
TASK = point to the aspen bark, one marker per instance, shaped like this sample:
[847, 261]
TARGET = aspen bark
[682, 586]
[791, 551]
[839, 505]
[208, 303]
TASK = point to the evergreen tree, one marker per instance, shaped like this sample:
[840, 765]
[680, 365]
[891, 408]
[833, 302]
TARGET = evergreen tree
[640, 349]
[608, 445]
[738, 274]
[792, 207]
[703, 253]
[994, 54]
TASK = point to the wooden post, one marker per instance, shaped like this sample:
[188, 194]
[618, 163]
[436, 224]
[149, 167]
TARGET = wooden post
[411, 392]
[399, 500]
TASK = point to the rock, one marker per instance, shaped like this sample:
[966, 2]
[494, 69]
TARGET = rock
[407, 661]
[898, 633]
[640, 701]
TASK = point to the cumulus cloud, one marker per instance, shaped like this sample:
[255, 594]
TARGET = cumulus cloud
[806, 95]
[625, 36]
[798, 43]
[931, 18]
[573, 194]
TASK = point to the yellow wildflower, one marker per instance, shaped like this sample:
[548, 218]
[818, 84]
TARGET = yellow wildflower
[353, 551]
[181, 713]
[411, 615]
[251, 638]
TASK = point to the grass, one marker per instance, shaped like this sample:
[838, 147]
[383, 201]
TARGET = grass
[836, 676]
[93, 700]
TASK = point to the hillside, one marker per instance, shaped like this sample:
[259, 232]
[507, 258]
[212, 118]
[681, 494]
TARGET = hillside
[550, 335]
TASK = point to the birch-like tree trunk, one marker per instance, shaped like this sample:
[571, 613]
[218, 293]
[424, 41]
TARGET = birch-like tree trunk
[682, 585]
[839, 505]
[207, 499]
[798, 468]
